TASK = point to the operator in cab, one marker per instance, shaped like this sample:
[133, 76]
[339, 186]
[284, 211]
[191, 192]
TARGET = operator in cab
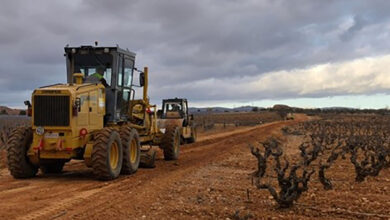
[97, 77]
[175, 107]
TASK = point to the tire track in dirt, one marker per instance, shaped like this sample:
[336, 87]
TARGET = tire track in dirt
[143, 195]
[61, 206]
[75, 194]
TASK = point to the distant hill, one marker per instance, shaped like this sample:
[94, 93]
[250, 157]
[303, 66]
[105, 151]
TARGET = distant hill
[246, 108]
[223, 109]
[276, 107]
[10, 111]
[338, 108]
[282, 107]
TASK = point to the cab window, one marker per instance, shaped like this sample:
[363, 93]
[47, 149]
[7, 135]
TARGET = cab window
[85, 62]
[128, 73]
[120, 71]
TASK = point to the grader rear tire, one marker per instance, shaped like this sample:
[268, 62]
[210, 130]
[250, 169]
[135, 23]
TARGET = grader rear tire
[107, 154]
[131, 150]
[171, 143]
[18, 144]
[52, 167]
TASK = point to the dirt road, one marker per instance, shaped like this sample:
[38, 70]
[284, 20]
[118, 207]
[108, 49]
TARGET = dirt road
[150, 193]
[209, 181]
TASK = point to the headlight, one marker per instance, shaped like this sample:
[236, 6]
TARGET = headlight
[40, 130]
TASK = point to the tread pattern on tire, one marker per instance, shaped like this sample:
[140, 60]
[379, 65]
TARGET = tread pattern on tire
[168, 141]
[17, 146]
[99, 157]
[127, 133]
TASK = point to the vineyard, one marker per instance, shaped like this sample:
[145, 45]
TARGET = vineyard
[210, 121]
[335, 143]
[7, 123]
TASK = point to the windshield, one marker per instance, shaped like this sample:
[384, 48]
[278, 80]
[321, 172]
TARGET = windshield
[172, 107]
[88, 63]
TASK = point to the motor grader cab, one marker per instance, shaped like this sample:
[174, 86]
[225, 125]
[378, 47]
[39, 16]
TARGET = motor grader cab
[104, 125]
[119, 74]
[175, 111]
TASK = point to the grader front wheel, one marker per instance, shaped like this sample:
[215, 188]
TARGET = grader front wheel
[131, 150]
[107, 154]
[17, 146]
[171, 143]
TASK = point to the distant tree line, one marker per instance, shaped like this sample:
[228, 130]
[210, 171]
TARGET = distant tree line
[283, 110]
[317, 111]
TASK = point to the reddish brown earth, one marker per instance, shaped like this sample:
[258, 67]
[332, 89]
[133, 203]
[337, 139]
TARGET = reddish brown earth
[211, 180]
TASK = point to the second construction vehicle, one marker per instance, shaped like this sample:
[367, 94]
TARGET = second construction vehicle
[175, 113]
[93, 117]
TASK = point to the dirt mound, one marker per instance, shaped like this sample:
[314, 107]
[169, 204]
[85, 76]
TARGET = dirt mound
[9, 111]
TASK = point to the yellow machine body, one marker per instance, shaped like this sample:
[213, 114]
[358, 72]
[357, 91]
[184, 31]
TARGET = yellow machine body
[86, 116]
[86, 112]
[94, 117]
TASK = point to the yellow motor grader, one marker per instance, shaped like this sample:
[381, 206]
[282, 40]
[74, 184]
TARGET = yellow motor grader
[99, 122]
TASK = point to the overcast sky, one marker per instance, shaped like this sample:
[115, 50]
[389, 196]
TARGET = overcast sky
[309, 53]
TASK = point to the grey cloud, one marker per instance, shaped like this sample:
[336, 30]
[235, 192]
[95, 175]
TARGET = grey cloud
[189, 41]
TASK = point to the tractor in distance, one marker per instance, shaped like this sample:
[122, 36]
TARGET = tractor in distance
[174, 112]
[100, 123]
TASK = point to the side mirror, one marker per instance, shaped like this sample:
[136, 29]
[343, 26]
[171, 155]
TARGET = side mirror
[29, 108]
[142, 79]
[27, 103]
